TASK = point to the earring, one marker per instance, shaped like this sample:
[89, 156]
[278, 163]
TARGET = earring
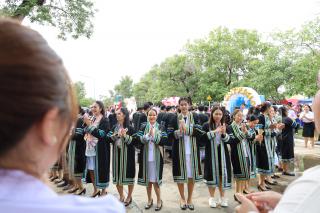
[54, 140]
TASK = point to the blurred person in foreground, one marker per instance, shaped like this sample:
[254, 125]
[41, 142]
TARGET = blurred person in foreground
[302, 195]
[33, 76]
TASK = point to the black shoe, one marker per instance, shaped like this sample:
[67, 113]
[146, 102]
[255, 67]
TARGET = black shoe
[54, 178]
[73, 190]
[58, 181]
[67, 187]
[275, 176]
[63, 184]
[83, 192]
[288, 173]
[149, 205]
[236, 199]
[96, 194]
[261, 189]
[271, 183]
[158, 208]
[246, 192]
[183, 206]
[190, 206]
[268, 187]
[126, 203]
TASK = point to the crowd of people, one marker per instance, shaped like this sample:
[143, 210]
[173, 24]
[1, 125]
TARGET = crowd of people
[236, 147]
[239, 147]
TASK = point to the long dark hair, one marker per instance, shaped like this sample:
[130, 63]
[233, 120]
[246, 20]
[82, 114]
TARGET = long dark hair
[283, 111]
[236, 111]
[264, 106]
[212, 124]
[101, 107]
[126, 122]
[33, 76]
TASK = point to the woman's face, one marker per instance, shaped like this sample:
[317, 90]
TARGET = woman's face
[217, 115]
[271, 112]
[252, 124]
[95, 108]
[152, 116]
[120, 116]
[184, 106]
[306, 108]
[238, 117]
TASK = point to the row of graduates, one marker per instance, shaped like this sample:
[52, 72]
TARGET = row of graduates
[185, 134]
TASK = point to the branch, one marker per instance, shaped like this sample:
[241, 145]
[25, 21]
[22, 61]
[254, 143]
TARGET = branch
[25, 8]
[309, 46]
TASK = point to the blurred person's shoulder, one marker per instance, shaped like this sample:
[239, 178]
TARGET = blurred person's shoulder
[302, 195]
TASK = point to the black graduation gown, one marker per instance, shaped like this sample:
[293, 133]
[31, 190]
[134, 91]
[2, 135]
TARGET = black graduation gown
[287, 140]
[138, 118]
[170, 119]
[102, 159]
[217, 160]
[179, 170]
[123, 157]
[266, 149]
[240, 163]
[77, 149]
[161, 139]
[253, 152]
[203, 118]
[112, 119]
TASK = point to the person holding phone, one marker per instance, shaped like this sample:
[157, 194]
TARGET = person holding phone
[97, 149]
[253, 139]
[266, 148]
[217, 164]
[240, 151]
[123, 155]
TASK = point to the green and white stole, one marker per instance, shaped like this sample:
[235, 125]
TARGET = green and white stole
[237, 131]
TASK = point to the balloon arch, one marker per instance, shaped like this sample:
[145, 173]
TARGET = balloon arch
[242, 95]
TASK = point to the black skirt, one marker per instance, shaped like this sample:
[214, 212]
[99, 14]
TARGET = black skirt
[308, 130]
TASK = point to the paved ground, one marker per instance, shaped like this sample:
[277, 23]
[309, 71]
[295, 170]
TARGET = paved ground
[170, 196]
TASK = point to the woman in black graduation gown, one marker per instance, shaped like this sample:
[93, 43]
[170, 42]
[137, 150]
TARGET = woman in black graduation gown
[97, 149]
[217, 164]
[266, 148]
[186, 164]
[253, 139]
[76, 155]
[287, 141]
[151, 136]
[123, 155]
[240, 151]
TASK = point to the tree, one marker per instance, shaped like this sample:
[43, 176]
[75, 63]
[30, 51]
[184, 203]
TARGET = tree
[124, 88]
[80, 91]
[224, 58]
[71, 17]
[269, 73]
[179, 76]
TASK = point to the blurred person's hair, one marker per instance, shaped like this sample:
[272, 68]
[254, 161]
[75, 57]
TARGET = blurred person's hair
[32, 75]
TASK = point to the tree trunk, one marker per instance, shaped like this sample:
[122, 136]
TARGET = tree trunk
[25, 8]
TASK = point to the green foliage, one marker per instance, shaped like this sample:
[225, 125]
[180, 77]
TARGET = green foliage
[71, 17]
[80, 91]
[124, 88]
[229, 58]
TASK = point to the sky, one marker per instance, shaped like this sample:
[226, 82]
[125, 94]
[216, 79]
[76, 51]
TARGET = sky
[130, 36]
